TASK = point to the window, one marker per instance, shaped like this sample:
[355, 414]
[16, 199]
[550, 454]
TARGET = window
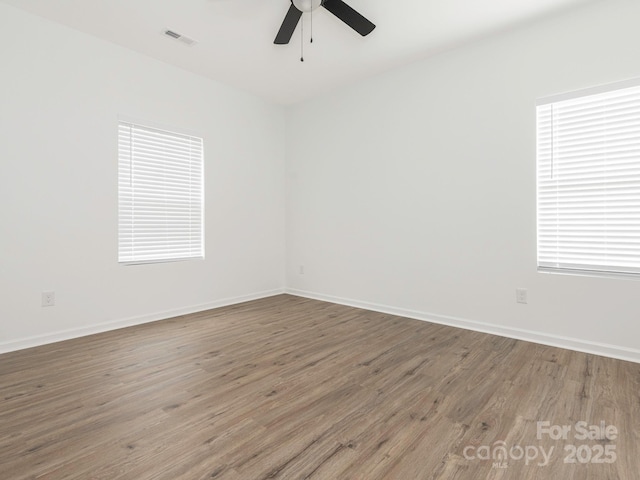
[589, 181]
[160, 195]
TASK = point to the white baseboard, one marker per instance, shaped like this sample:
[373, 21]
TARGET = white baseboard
[579, 345]
[128, 322]
[596, 348]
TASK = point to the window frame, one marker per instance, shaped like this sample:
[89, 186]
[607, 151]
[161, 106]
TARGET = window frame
[613, 269]
[195, 207]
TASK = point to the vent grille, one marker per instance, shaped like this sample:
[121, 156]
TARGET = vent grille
[181, 38]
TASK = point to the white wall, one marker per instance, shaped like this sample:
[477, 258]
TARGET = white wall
[60, 96]
[414, 192]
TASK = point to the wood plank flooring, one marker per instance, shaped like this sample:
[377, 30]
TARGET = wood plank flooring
[291, 388]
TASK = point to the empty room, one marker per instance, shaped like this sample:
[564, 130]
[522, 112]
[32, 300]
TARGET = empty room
[320, 239]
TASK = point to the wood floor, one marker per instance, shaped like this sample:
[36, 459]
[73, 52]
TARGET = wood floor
[290, 388]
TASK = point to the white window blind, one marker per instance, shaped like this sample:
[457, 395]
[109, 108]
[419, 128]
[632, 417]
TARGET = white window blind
[160, 195]
[588, 157]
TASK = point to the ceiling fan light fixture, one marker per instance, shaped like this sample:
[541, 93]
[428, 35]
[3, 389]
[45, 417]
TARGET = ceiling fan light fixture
[307, 5]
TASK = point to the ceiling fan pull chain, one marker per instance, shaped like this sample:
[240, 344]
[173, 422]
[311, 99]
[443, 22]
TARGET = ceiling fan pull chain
[302, 38]
[311, 27]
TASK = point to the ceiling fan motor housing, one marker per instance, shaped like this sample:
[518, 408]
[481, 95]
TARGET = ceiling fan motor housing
[307, 5]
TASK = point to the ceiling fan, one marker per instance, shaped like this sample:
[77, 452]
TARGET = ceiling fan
[340, 9]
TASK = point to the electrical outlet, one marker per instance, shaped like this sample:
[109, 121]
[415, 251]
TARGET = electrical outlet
[301, 270]
[521, 295]
[48, 299]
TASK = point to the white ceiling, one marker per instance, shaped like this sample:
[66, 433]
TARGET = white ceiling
[236, 36]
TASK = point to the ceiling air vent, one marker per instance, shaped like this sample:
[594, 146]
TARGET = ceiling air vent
[181, 38]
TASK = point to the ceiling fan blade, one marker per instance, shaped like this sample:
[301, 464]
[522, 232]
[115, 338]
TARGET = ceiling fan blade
[288, 26]
[349, 16]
